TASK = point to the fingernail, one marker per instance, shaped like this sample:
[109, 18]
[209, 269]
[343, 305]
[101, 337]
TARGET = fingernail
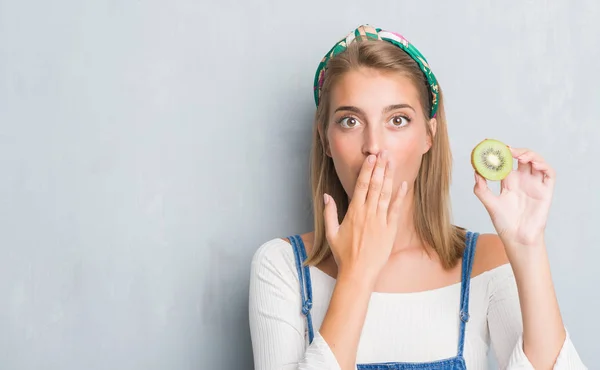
[371, 159]
[325, 198]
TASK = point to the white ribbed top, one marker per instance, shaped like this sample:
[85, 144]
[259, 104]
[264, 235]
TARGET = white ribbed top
[404, 327]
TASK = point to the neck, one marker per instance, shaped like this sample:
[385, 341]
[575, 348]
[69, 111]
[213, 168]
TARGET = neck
[406, 237]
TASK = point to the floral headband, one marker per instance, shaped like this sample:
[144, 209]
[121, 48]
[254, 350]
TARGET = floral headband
[379, 34]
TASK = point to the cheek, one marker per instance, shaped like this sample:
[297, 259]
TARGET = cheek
[408, 153]
[336, 146]
[406, 148]
[342, 147]
[347, 157]
[343, 152]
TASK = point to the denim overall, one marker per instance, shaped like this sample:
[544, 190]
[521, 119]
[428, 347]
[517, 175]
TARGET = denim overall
[453, 363]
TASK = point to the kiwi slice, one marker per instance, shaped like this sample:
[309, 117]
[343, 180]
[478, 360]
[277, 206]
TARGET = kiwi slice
[492, 159]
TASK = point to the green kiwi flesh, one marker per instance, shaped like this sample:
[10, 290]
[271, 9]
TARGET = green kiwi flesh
[492, 159]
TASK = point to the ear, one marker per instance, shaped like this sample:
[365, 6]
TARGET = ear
[323, 141]
[432, 129]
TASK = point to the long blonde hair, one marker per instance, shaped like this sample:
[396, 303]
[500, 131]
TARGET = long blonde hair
[432, 216]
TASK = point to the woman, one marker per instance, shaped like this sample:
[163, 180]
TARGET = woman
[386, 281]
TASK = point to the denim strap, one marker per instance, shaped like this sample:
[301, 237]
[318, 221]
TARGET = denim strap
[304, 279]
[467, 265]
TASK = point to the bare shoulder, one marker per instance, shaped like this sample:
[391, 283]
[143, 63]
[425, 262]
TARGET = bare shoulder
[489, 253]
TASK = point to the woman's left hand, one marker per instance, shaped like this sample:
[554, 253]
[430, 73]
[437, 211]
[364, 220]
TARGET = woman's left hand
[520, 212]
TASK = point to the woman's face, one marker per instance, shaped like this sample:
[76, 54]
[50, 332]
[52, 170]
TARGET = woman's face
[372, 111]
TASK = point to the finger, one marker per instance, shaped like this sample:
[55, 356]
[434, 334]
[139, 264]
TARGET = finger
[548, 172]
[377, 181]
[396, 206]
[517, 152]
[331, 217]
[364, 179]
[525, 158]
[483, 193]
[528, 159]
[526, 153]
[386, 190]
[524, 166]
[524, 162]
[508, 183]
[537, 174]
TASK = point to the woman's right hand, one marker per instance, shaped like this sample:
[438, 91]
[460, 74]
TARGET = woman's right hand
[363, 242]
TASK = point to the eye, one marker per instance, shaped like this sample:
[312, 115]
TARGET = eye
[399, 121]
[348, 122]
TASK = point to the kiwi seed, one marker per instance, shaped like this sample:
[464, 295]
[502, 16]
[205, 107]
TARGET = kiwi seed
[492, 159]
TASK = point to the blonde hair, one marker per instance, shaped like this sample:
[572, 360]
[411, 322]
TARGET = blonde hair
[432, 216]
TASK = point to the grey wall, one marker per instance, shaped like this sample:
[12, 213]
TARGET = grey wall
[147, 148]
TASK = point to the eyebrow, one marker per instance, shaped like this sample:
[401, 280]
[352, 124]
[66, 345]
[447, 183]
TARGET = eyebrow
[357, 110]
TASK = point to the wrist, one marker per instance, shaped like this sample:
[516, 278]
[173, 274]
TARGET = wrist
[356, 278]
[524, 249]
[528, 260]
[532, 241]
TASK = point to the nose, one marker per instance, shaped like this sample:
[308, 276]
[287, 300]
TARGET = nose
[372, 141]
